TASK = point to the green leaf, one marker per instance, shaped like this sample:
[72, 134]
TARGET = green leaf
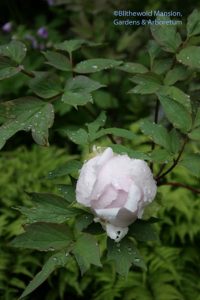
[143, 230]
[57, 60]
[177, 95]
[161, 156]
[67, 192]
[178, 73]
[153, 50]
[158, 133]
[57, 260]
[195, 134]
[175, 141]
[96, 65]
[48, 208]
[166, 36]
[9, 72]
[94, 228]
[46, 85]
[124, 255]
[189, 56]
[116, 132]
[147, 84]
[83, 221]
[86, 252]
[133, 68]
[82, 84]
[197, 118]
[15, 50]
[161, 66]
[120, 149]
[69, 168]
[27, 113]
[193, 23]
[76, 99]
[94, 126]
[44, 237]
[176, 113]
[70, 45]
[79, 136]
[192, 163]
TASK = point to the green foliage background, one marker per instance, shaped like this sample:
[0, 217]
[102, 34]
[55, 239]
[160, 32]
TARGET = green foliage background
[173, 263]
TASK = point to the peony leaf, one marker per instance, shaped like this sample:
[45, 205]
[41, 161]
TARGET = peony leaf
[27, 113]
[57, 260]
[57, 60]
[124, 255]
[147, 83]
[49, 208]
[178, 73]
[15, 50]
[193, 23]
[96, 65]
[189, 56]
[192, 163]
[67, 192]
[143, 231]
[86, 252]
[44, 237]
[46, 85]
[166, 36]
[120, 149]
[69, 168]
[158, 133]
[133, 68]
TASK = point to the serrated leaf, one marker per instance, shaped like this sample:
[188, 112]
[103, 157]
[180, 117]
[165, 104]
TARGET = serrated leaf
[133, 68]
[189, 56]
[176, 113]
[69, 168]
[57, 260]
[166, 36]
[195, 134]
[192, 163]
[79, 136]
[177, 95]
[96, 65]
[160, 156]
[48, 208]
[27, 113]
[70, 45]
[143, 231]
[158, 133]
[86, 252]
[75, 99]
[178, 73]
[124, 255]
[147, 84]
[125, 150]
[46, 85]
[44, 237]
[57, 60]
[82, 84]
[193, 23]
[94, 126]
[15, 50]
[67, 191]
[116, 132]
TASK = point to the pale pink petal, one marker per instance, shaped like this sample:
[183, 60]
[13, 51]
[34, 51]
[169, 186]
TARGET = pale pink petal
[120, 200]
[109, 194]
[107, 214]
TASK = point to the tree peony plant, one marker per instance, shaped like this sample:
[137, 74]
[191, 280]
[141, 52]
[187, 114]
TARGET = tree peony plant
[116, 188]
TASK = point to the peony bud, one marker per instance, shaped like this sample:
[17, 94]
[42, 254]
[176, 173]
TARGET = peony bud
[116, 188]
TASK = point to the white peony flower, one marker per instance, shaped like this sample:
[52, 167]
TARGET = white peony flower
[116, 188]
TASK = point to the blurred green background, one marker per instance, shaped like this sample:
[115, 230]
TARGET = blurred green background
[173, 264]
